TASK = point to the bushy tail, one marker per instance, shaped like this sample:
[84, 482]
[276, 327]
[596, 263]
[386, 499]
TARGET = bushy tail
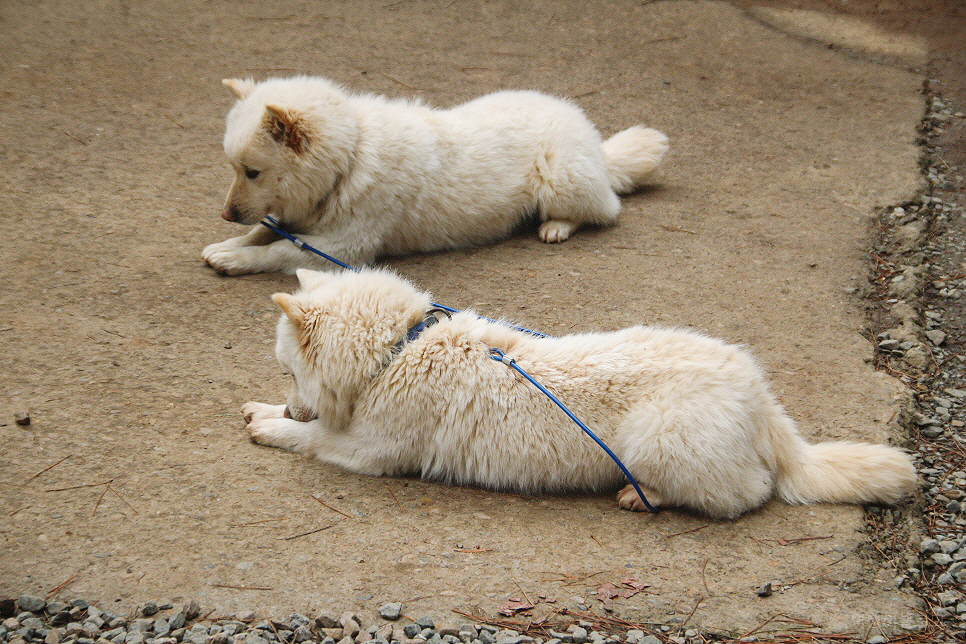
[632, 155]
[843, 472]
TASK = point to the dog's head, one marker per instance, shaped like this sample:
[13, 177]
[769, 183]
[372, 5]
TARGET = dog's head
[289, 141]
[337, 332]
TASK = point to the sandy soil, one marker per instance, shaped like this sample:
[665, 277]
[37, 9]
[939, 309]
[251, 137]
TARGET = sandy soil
[134, 358]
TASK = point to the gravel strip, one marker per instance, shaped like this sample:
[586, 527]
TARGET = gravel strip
[919, 288]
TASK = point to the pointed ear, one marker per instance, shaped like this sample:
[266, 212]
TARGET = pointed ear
[290, 306]
[286, 127]
[309, 280]
[241, 88]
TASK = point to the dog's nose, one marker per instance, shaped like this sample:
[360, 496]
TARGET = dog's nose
[287, 413]
[228, 214]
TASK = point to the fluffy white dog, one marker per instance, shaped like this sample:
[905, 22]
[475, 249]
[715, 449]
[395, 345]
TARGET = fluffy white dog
[691, 417]
[360, 177]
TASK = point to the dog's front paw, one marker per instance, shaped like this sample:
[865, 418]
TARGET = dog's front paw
[556, 231]
[629, 499]
[226, 258]
[260, 411]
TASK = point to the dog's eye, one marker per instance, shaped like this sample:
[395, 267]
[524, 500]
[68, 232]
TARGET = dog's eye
[251, 174]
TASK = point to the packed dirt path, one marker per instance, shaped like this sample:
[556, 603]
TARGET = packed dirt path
[134, 358]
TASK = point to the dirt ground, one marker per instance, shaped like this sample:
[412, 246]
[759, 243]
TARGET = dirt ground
[788, 132]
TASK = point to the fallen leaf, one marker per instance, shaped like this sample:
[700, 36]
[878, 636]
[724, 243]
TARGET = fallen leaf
[514, 606]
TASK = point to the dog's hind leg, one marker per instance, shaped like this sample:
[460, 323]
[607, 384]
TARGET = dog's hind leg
[571, 193]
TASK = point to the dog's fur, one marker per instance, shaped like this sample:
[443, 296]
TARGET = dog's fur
[691, 417]
[363, 176]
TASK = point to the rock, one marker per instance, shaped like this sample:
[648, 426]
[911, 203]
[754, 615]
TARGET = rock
[241, 616]
[650, 639]
[942, 559]
[334, 633]
[191, 610]
[176, 621]
[302, 634]
[425, 622]
[149, 609]
[390, 611]
[8, 607]
[22, 418]
[29, 602]
[936, 336]
[878, 639]
[350, 627]
[327, 620]
[765, 590]
[53, 636]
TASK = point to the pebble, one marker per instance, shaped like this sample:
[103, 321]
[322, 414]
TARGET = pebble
[22, 418]
[390, 611]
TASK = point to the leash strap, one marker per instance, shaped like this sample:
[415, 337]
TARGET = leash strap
[273, 225]
[499, 356]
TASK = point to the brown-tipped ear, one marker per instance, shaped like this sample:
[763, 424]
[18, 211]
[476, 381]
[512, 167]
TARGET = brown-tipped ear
[290, 306]
[241, 88]
[286, 128]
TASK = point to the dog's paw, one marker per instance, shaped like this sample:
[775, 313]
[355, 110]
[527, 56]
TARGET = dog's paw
[260, 411]
[629, 499]
[556, 230]
[226, 258]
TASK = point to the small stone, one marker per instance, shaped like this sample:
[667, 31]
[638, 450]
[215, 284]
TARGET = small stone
[302, 634]
[889, 345]
[176, 621]
[390, 611]
[244, 615]
[425, 622]
[29, 602]
[191, 610]
[765, 590]
[650, 639]
[350, 627]
[948, 597]
[327, 620]
[53, 636]
[878, 639]
[22, 418]
[936, 336]
[942, 559]
[149, 609]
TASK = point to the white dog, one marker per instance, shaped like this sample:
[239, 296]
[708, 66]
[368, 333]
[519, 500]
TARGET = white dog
[691, 417]
[363, 176]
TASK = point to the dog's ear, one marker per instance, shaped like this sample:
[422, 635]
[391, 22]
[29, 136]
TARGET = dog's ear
[290, 306]
[241, 88]
[309, 279]
[286, 127]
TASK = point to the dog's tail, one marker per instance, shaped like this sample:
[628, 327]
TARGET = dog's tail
[840, 471]
[632, 156]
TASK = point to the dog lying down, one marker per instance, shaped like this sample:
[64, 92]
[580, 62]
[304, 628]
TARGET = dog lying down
[691, 417]
[361, 176]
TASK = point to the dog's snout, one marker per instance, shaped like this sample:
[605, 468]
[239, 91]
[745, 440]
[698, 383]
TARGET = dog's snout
[229, 213]
[287, 413]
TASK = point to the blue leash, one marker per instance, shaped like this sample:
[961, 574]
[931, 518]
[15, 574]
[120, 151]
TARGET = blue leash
[273, 225]
[495, 354]
[499, 356]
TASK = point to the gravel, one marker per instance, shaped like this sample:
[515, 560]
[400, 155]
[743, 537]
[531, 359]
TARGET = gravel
[34, 621]
[921, 339]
